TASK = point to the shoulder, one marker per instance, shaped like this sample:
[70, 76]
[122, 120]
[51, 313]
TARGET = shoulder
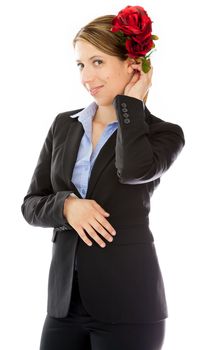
[63, 119]
[66, 116]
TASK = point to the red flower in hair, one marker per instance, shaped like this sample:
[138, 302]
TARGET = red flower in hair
[134, 27]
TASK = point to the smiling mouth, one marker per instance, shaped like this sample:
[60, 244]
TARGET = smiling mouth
[95, 90]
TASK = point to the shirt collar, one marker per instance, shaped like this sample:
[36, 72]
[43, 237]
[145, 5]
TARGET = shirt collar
[86, 113]
[85, 117]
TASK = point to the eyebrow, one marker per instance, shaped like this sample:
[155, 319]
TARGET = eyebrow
[91, 58]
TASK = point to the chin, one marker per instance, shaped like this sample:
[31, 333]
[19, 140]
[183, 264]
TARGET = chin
[101, 101]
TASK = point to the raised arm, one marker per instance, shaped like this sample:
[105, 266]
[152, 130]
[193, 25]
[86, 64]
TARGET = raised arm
[146, 146]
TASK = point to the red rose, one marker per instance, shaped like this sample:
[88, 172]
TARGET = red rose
[134, 23]
[136, 50]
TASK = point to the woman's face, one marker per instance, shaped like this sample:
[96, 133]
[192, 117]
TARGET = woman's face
[102, 75]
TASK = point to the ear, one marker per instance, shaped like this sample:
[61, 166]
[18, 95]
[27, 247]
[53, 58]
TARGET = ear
[130, 62]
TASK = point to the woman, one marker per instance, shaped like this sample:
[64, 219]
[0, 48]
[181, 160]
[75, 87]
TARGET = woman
[93, 181]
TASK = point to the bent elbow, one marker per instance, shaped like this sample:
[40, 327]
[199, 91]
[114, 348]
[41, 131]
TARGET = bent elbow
[133, 176]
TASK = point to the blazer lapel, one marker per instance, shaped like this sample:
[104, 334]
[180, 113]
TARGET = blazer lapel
[104, 157]
[70, 152]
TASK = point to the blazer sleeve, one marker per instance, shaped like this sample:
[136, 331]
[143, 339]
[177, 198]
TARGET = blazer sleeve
[41, 206]
[144, 150]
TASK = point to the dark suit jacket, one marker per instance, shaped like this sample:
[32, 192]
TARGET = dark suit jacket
[121, 282]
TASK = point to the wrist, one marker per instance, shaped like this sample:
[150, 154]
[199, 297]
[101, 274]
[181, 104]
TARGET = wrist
[70, 198]
[72, 195]
[135, 96]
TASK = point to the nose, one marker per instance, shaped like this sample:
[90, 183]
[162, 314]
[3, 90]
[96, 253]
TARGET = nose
[87, 75]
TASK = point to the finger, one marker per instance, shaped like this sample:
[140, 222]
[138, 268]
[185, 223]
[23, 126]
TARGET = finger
[100, 209]
[106, 224]
[83, 236]
[94, 235]
[101, 230]
[149, 75]
[137, 66]
[151, 71]
[139, 69]
[135, 78]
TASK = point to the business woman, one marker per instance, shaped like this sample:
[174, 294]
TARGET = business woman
[92, 184]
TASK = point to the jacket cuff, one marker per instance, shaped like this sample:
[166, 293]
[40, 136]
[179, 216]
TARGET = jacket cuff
[130, 111]
[58, 209]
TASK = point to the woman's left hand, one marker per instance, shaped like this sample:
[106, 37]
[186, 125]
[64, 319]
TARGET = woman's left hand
[140, 82]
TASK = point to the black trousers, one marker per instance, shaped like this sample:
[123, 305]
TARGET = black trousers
[80, 331]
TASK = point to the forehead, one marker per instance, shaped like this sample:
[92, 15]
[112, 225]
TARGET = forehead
[85, 51]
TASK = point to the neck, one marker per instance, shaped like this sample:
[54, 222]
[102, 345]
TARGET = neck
[105, 115]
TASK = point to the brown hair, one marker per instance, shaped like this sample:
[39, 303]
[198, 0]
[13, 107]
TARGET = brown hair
[97, 33]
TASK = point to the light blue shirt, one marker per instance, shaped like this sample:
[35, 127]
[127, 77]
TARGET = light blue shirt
[86, 156]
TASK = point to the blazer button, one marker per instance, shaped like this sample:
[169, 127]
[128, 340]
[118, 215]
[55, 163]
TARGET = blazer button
[124, 110]
[123, 104]
[125, 115]
[127, 121]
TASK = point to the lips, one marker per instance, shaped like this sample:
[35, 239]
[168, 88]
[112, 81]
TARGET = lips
[94, 90]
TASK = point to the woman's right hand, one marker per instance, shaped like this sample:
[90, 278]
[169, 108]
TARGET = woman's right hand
[88, 215]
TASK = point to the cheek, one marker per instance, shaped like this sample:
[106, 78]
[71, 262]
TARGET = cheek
[115, 79]
[119, 81]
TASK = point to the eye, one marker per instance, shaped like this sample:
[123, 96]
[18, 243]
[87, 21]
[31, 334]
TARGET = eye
[97, 62]
[80, 65]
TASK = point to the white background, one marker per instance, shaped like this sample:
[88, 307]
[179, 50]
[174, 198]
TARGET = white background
[39, 79]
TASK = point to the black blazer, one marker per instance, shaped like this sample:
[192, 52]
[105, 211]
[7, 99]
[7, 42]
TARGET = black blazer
[121, 282]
